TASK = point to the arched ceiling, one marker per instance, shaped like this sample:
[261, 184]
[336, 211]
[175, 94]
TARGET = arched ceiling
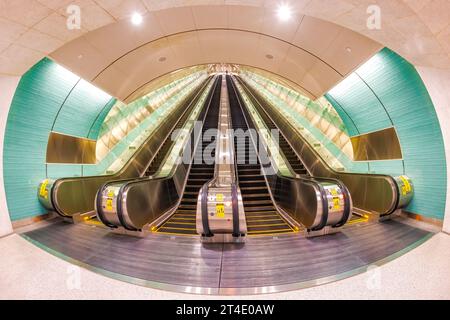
[122, 58]
[30, 29]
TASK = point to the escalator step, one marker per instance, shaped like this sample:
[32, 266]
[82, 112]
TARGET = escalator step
[270, 229]
[249, 209]
[178, 231]
[185, 214]
[179, 225]
[255, 203]
[262, 217]
[266, 223]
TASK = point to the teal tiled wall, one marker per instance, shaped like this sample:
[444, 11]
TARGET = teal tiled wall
[48, 98]
[387, 91]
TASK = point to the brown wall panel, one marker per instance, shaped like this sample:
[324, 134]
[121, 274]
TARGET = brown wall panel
[67, 149]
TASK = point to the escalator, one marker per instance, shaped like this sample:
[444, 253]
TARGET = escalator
[166, 202]
[261, 215]
[166, 146]
[370, 193]
[76, 195]
[156, 161]
[183, 220]
[285, 148]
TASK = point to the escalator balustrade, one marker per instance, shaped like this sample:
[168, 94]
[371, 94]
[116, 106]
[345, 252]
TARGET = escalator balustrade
[183, 220]
[261, 215]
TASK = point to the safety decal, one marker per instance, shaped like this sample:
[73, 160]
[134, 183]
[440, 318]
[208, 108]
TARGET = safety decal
[109, 200]
[43, 190]
[336, 199]
[220, 210]
[109, 204]
[406, 187]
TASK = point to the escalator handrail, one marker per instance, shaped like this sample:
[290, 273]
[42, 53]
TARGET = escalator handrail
[390, 179]
[234, 195]
[318, 180]
[102, 188]
[294, 175]
[129, 184]
[204, 212]
[100, 215]
[192, 96]
[317, 186]
[186, 111]
[235, 210]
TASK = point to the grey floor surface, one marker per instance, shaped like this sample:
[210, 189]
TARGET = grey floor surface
[261, 262]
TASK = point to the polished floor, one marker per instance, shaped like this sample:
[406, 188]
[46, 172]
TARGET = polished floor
[262, 265]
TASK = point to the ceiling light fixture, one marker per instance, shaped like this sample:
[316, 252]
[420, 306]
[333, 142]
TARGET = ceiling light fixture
[136, 19]
[284, 12]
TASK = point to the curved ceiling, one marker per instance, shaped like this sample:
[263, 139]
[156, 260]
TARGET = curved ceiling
[122, 58]
[31, 29]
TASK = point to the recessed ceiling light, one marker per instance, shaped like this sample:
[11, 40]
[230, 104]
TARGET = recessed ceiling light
[348, 49]
[269, 56]
[136, 19]
[284, 12]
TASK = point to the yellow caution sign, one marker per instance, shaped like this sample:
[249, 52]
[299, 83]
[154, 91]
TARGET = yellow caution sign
[219, 197]
[406, 187]
[220, 210]
[43, 190]
[336, 203]
[109, 204]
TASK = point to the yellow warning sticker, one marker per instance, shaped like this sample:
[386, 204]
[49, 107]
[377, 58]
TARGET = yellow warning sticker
[219, 197]
[110, 194]
[43, 190]
[109, 204]
[406, 188]
[336, 203]
[333, 192]
[220, 210]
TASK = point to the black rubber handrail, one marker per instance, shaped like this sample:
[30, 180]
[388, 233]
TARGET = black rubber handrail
[346, 193]
[100, 214]
[128, 184]
[123, 171]
[396, 192]
[309, 181]
[235, 208]
[204, 210]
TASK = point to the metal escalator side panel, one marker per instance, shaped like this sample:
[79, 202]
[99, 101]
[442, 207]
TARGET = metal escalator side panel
[183, 220]
[262, 217]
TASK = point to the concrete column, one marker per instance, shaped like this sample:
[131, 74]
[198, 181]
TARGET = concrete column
[437, 82]
[8, 85]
